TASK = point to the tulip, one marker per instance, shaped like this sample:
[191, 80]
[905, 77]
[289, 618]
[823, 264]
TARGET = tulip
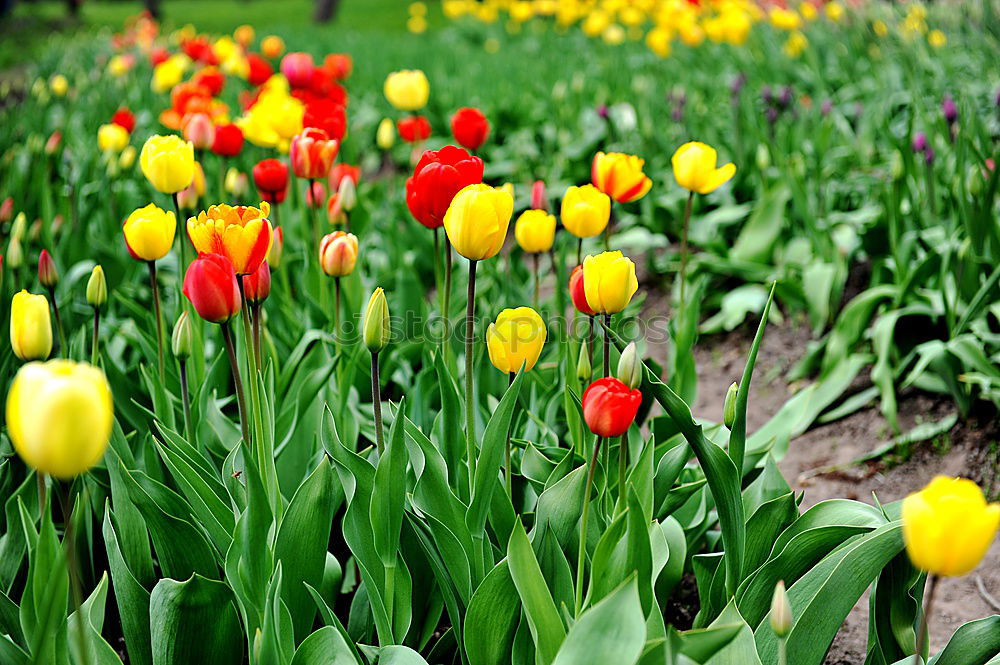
[236, 183]
[277, 247]
[59, 85]
[298, 69]
[127, 158]
[149, 233]
[437, 178]
[7, 209]
[48, 275]
[584, 370]
[729, 406]
[97, 288]
[535, 231]
[470, 128]
[781, 612]
[112, 138]
[578, 293]
[257, 285]
[338, 254]
[244, 35]
[30, 326]
[166, 75]
[315, 195]
[270, 176]
[59, 416]
[168, 163]
[124, 119]
[585, 213]
[609, 282]
[375, 329]
[609, 407]
[620, 176]
[243, 234]
[210, 285]
[199, 131]
[181, 338]
[312, 154]
[407, 90]
[385, 136]
[414, 129]
[630, 367]
[53, 142]
[538, 198]
[272, 46]
[477, 219]
[341, 172]
[187, 199]
[259, 70]
[339, 65]
[516, 340]
[695, 170]
[228, 141]
[348, 194]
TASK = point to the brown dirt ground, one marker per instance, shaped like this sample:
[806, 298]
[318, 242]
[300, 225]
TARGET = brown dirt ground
[964, 451]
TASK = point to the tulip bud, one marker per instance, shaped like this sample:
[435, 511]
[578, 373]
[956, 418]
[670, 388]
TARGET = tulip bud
[6, 209]
[375, 326]
[385, 137]
[15, 255]
[896, 166]
[539, 201]
[180, 340]
[19, 226]
[729, 409]
[974, 181]
[127, 159]
[277, 246]
[781, 611]
[763, 157]
[236, 182]
[257, 285]
[48, 276]
[52, 144]
[630, 367]
[583, 367]
[97, 288]
[348, 193]
[199, 130]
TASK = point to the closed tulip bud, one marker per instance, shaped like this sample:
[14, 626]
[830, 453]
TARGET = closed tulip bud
[168, 163]
[48, 276]
[375, 326]
[630, 367]
[19, 226]
[781, 611]
[277, 248]
[585, 211]
[620, 176]
[257, 286]
[609, 407]
[584, 370]
[348, 193]
[948, 526]
[199, 131]
[695, 170]
[477, 221]
[149, 233]
[15, 254]
[298, 69]
[59, 416]
[270, 176]
[762, 157]
[181, 338]
[609, 282]
[30, 326]
[578, 293]
[59, 85]
[897, 168]
[539, 201]
[516, 338]
[385, 137]
[236, 183]
[210, 285]
[6, 209]
[338, 254]
[97, 288]
[535, 231]
[315, 195]
[407, 90]
[729, 407]
[243, 234]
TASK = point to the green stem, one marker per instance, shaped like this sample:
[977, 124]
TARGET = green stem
[622, 469]
[185, 398]
[234, 365]
[377, 403]
[255, 330]
[579, 251]
[470, 417]
[255, 405]
[684, 243]
[97, 332]
[507, 471]
[73, 567]
[63, 349]
[182, 249]
[537, 282]
[581, 559]
[607, 346]
[924, 618]
[782, 651]
[157, 314]
[446, 308]
[336, 311]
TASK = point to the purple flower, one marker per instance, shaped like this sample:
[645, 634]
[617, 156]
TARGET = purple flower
[602, 111]
[736, 86]
[949, 109]
[929, 155]
[920, 142]
[786, 97]
[772, 115]
[826, 108]
[766, 94]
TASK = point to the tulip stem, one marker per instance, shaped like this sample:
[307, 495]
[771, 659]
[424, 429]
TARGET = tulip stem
[336, 311]
[97, 332]
[590, 338]
[684, 243]
[157, 314]
[507, 472]
[537, 283]
[255, 330]
[180, 237]
[446, 308]
[607, 345]
[42, 493]
[73, 568]
[377, 403]
[185, 398]
[470, 417]
[924, 617]
[579, 251]
[63, 349]
[782, 651]
[581, 558]
[234, 365]
[437, 269]
[622, 468]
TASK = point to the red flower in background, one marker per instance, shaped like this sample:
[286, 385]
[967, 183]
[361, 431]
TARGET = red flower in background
[414, 129]
[211, 79]
[270, 176]
[298, 69]
[577, 292]
[324, 85]
[470, 128]
[339, 65]
[341, 171]
[312, 153]
[124, 119]
[210, 284]
[228, 141]
[438, 176]
[158, 55]
[257, 285]
[259, 69]
[327, 115]
[200, 49]
[609, 407]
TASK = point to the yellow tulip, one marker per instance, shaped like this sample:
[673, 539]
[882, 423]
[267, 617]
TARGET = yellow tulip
[166, 75]
[30, 326]
[948, 527]
[385, 137]
[477, 221]
[834, 11]
[880, 28]
[658, 41]
[694, 168]
[535, 231]
[149, 233]
[59, 85]
[407, 90]
[112, 138]
[168, 163]
[620, 176]
[808, 11]
[375, 325]
[937, 39]
[59, 416]
[785, 19]
[609, 282]
[585, 211]
[516, 338]
[795, 45]
[127, 159]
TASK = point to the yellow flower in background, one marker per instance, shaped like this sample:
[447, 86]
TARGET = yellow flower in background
[808, 11]
[880, 28]
[119, 65]
[456, 8]
[127, 159]
[416, 24]
[613, 35]
[30, 326]
[695, 170]
[112, 138]
[244, 35]
[521, 11]
[658, 41]
[785, 19]
[585, 211]
[407, 90]
[385, 136]
[60, 415]
[834, 11]
[167, 162]
[596, 23]
[59, 85]
[795, 44]
[167, 74]
[535, 230]
[149, 233]
[609, 282]
[692, 35]
[418, 9]
[937, 39]
[948, 527]
[477, 221]
[620, 176]
[516, 338]
[272, 46]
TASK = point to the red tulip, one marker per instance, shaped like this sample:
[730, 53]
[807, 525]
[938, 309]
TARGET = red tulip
[271, 178]
[339, 65]
[316, 195]
[257, 286]
[323, 86]
[211, 78]
[158, 55]
[341, 171]
[577, 292]
[438, 176]
[48, 276]
[199, 130]
[328, 115]
[259, 69]
[312, 153]
[470, 128]
[414, 129]
[609, 407]
[538, 199]
[298, 69]
[124, 119]
[7, 209]
[210, 285]
[228, 141]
